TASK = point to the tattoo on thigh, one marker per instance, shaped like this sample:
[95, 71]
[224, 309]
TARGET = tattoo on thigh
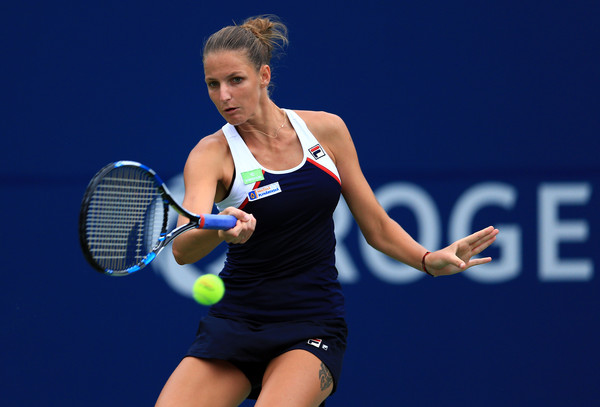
[325, 377]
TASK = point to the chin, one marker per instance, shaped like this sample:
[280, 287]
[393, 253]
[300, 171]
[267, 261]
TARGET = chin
[235, 122]
[234, 119]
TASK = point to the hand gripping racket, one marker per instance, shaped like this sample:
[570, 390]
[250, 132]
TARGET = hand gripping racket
[125, 215]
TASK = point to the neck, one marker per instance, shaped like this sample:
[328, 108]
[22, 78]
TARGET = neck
[271, 127]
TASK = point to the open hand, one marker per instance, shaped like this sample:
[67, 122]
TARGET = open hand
[458, 256]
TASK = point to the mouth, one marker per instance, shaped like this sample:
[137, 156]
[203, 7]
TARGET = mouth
[230, 109]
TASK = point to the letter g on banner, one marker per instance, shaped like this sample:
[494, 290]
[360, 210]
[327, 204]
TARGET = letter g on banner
[508, 266]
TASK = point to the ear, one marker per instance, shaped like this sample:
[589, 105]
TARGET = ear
[264, 75]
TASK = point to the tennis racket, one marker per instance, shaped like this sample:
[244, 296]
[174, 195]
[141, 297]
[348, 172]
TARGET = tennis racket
[125, 216]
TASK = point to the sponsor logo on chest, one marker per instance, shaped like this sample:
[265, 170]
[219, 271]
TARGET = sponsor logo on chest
[264, 192]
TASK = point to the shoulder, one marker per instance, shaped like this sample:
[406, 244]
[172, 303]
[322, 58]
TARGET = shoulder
[214, 144]
[330, 130]
[322, 123]
[210, 156]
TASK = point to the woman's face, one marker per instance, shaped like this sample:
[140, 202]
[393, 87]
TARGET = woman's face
[233, 84]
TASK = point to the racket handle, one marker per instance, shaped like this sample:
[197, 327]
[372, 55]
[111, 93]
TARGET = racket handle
[220, 222]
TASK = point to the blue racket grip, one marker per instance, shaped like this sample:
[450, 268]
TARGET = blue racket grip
[219, 222]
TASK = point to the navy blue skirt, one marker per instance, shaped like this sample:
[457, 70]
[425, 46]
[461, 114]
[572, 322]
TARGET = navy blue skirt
[250, 346]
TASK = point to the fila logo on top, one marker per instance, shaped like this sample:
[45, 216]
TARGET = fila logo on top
[317, 343]
[317, 151]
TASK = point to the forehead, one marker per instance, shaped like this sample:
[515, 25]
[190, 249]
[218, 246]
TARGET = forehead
[221, 63]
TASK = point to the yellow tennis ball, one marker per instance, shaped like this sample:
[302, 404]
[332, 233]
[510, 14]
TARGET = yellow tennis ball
[208, 289]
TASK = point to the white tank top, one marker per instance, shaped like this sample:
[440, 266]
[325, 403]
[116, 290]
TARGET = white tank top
[248, 170]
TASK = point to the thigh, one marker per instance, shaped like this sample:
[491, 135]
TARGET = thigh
[201, 382]
[295, 379]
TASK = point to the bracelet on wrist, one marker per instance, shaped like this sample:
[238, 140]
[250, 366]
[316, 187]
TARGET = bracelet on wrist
[423, 264]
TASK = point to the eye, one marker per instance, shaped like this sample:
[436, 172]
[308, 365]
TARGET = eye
[212, 84]
[237, 80]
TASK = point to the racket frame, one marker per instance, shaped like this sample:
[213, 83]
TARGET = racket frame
[205, 221]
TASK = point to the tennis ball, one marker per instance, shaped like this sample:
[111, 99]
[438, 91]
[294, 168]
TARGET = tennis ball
[208, 289]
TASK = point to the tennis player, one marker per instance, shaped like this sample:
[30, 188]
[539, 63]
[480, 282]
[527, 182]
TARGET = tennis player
[279, 334]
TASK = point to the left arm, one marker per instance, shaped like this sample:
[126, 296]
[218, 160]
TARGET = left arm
[379, 230]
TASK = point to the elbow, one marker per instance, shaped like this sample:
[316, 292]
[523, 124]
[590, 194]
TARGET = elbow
[377, 231]
[372, 240]
[374, 243]
[186, 251]
[180, 256]
[375, 235]
[180, 261]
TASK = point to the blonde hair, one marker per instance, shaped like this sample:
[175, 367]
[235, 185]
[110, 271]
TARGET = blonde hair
[257, 36]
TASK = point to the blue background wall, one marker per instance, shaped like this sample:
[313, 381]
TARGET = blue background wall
[464, 114]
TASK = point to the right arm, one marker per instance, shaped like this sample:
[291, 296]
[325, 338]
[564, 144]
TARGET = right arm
[207, 171]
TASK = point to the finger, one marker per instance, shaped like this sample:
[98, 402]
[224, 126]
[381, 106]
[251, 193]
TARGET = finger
[236, 234]
[482, 234]
[238, 213]
[479, 235]
[245, 229]
[483, 245]
[477, 262]
[458, 262]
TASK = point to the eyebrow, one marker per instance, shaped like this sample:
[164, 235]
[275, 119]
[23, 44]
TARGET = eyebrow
[231, 75]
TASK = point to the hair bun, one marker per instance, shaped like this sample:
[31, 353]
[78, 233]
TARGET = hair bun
[268, 29]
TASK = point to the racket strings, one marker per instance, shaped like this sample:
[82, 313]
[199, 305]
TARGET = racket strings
[125, 217]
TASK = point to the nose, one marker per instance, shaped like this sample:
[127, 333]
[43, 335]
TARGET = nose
[224, 94]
